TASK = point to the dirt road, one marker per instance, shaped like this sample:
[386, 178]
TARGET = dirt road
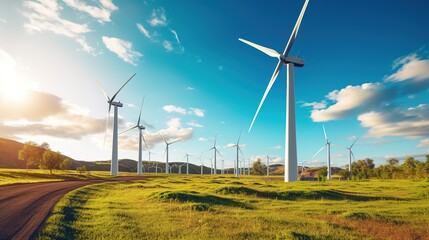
[24, 207]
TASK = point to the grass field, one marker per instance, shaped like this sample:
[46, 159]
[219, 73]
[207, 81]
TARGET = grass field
[12, 176]
[218, 207]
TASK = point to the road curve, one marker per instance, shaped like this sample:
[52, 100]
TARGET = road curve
[24, 207]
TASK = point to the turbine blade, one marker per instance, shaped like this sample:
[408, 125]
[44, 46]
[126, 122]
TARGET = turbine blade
[319, 150]
[140, 115]
[239, 136]
[128, 130]
[214, 145]
[354, 142]
[324, 132]
[107, 124]
[270, 84]
[102, 89]
[270, 52]
[295, 30]
[175, 141]
[353, 155]
[122, 87]
[145, 143]
[219, 152]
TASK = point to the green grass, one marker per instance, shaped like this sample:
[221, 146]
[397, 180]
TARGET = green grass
[12, 176]
[218, 207]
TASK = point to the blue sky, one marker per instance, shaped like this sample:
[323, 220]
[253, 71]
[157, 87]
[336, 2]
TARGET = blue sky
[366, 75]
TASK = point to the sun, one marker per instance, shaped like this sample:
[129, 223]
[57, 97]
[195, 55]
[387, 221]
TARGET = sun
[12, 90]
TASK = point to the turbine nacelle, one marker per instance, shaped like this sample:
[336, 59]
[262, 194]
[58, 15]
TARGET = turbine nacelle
[297, 61]
[116, 104]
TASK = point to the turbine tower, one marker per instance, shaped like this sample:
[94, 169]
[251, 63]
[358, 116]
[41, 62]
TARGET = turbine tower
[187, 162]
[167, 144]
[237, 165]
[268, 165]
[351, 154]
[214, 148]
[328, 153]
[291, 162]
[141, 137]
[111, 102]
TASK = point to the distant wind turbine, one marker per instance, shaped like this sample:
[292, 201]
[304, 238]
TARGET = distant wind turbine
[350, 153]
[268, 165]
[328, 153]
[141, 137]
[291, 163]
[110, 101]
[237, 164]
[167, 144]
[214, 148]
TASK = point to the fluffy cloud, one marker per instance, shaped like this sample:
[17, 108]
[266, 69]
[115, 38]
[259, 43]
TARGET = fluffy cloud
[44, 15]
[191, 111]
[123, 49]
[102, 13]
[201, 139]
[194, 124]
[424, 143]
[277, 147]
[375, 103]
[167, 45]
[46, 114]
[314, 105]
[172, 108]
[173, 131]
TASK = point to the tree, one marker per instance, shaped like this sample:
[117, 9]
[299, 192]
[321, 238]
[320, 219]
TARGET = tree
[51, 160]
[322, 173]
[32, 153]
[393, 162]
[65, 164]
[81, 169]
[259, 168]
[409, 167]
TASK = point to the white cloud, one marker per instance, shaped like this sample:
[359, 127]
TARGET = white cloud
[43, 114]
[102, 13]
[144, 30]
[423, 143]
[173, 131]
[201, 139]
[277, 147]
[167, 45]
[314, 105]
[44, 15]
[410, 67]
[198, 112]
[175, 36]
[194, 124]
[159, 18]
[172, 108]
[3, 20]
[190, 88]
[123, 49]
[191, 111]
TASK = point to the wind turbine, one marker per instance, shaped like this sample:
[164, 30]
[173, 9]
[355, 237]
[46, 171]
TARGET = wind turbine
[237, 165]
[328, 152]
[351, 154]
[111, 102]
[167, 144]
[187, 162]
[268, 165]
[214, 148]
[141, 137]
[291, 164]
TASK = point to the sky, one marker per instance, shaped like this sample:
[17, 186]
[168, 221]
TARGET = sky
[366, 75]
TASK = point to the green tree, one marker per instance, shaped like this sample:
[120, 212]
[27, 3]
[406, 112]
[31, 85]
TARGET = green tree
[81, 169]
[51, 160]
[409, 167]
[259, 168]
[322, 173]
[65, 164]
[32, 153]
[393, 162]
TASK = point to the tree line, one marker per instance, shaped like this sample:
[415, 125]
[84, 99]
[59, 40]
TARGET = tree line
[43, 157]
[365, 169]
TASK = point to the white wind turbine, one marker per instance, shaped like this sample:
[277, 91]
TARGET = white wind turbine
[167, 144]
[237, 164]
[291, 164]
[214, 148]
[187, 162]
[141, 137]
[351, 154]
[328, 152]
[268, 165]
[110, 101]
